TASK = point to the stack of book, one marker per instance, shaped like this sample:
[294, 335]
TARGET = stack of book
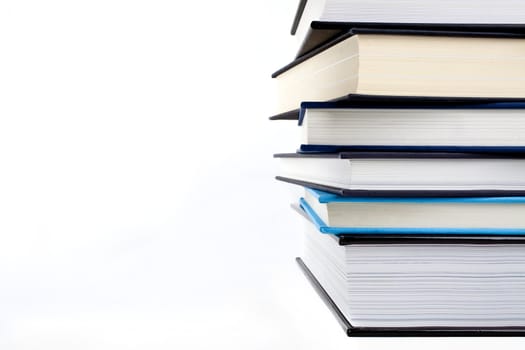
[412, 159]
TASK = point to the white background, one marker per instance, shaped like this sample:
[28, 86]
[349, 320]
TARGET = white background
[138, 208]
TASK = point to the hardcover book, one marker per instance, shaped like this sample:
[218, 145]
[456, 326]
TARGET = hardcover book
[419, 287]
[478, 125]
[333, 214]
[393, 62]
[406, 174]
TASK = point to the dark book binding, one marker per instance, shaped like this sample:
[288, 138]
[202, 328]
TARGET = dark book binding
[404, 102]
[500, 150]
[346, 239]
[321, 32]
[402, 155]
[352, 331]
[346, 192]
[298, 15]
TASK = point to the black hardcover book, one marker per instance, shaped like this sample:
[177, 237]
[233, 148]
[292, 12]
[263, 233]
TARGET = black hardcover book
[404, 62]
[406, 174]
[419, 285]
[443, 331]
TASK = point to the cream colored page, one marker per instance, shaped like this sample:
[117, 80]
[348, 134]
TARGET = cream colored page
[441, 66]
[330, 74]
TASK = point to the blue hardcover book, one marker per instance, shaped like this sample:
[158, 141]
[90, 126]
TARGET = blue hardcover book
[413, 125]
[338, 215]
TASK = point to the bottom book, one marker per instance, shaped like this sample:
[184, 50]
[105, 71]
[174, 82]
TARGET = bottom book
[409, 286]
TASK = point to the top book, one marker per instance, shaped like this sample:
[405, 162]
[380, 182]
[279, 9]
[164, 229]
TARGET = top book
[316, 21]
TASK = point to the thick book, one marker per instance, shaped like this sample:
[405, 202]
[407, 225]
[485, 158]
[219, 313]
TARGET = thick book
[337, 215]
[421, 331]
[406, 174]
[316, 21]
[425, 286]
[400, 63]
[481, 125]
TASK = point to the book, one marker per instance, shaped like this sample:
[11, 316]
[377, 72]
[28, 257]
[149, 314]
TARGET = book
[391, 62]
[406, 174]
[414, 287]
[412, 238]
[334, 214]
[316, 21]
[411, 159]
[479, 125]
